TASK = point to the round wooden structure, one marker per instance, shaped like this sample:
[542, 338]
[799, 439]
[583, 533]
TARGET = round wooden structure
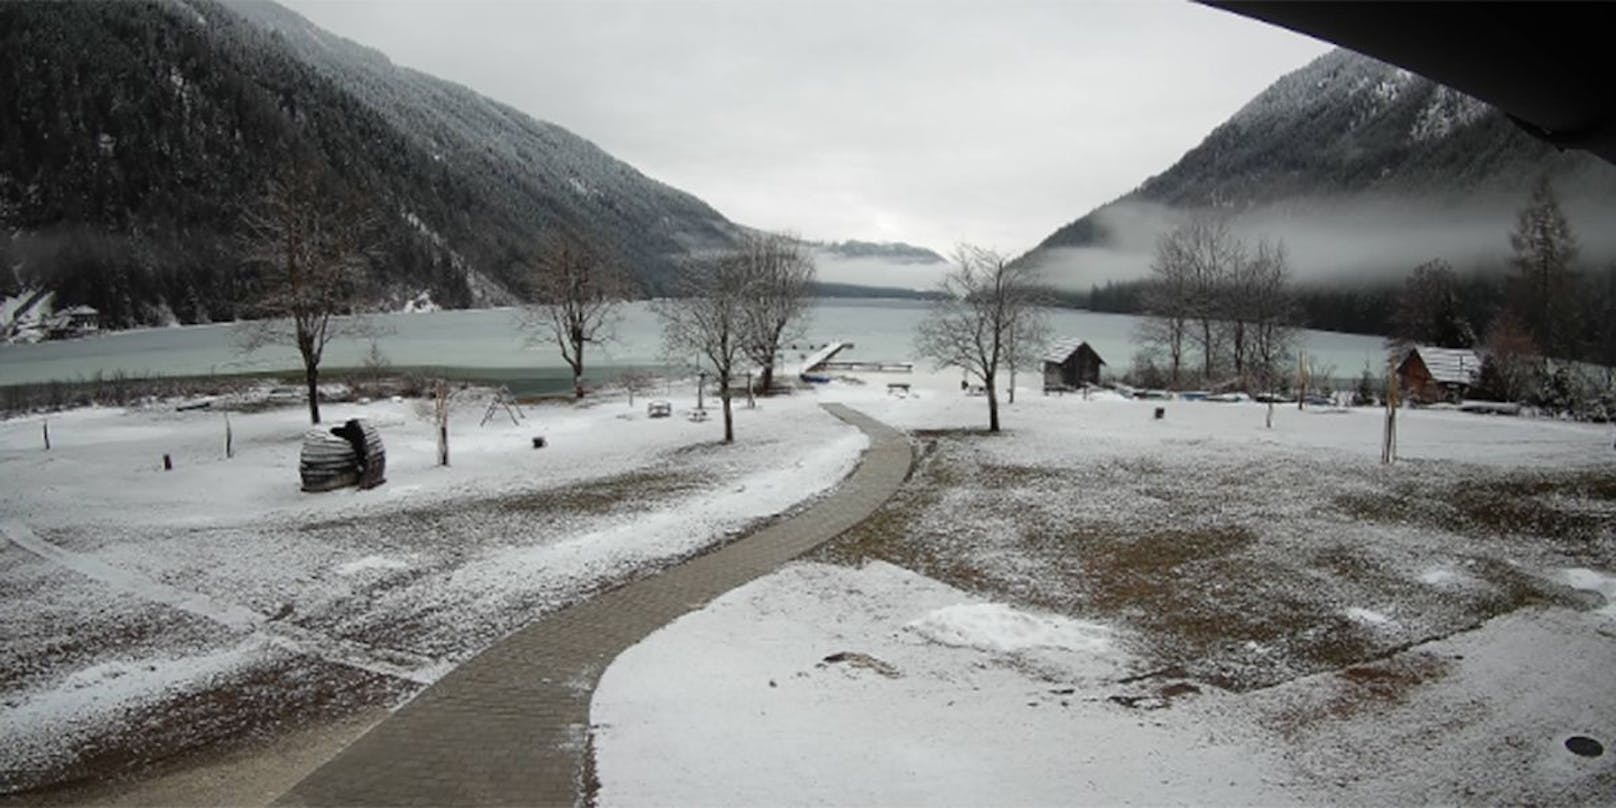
[350, 454]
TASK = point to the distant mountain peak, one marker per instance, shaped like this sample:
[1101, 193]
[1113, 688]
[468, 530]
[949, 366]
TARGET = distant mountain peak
[895, 252]
[1345, 136]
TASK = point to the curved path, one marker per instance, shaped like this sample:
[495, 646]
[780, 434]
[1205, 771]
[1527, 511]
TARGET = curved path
[509, 726]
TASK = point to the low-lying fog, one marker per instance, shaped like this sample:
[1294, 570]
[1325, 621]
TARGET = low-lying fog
[1359, 238]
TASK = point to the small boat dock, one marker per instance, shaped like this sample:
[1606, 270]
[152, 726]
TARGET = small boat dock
[824, 359]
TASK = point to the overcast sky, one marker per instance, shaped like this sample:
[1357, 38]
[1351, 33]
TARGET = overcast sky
[925, 122]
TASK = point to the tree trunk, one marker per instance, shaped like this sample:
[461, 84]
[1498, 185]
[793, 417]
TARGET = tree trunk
[766, 380]
[993, 404]
[1206, 349]
[577, 370]
[729, 418]
[311, 374]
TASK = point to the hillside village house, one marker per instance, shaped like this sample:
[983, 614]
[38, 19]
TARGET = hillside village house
[1069, 364]
[1427, 375]
[74, 322]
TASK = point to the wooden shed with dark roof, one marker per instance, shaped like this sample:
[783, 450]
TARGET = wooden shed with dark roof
[1070, 364]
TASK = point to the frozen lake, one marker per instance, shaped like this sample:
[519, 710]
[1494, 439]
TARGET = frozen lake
[487, 344]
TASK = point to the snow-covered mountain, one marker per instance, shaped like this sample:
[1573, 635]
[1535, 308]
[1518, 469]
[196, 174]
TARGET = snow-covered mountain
[137, 133]
[1345, 144]
[889, 251]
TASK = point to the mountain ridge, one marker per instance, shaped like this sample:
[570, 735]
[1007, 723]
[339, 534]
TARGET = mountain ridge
[1343, 130]
[146, 129]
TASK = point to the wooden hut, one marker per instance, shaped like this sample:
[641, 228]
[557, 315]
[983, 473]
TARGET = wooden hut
[1428, 374]
[1069, 364]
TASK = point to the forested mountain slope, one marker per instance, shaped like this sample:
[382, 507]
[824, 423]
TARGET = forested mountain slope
[138, 133]
[1341, 135]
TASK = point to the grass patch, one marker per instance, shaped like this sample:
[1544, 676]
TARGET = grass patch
[248, 708]
[1365, 688]
[602, 496]
[1500, 506]
[1225, 568]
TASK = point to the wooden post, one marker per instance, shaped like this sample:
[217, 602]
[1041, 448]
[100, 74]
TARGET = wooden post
[229, 447]
[1301, 378]
[701, 381]
[1388, 446]
[442, 411]
[45, 425]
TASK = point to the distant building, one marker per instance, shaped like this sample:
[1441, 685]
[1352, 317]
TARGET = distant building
[1427, 375]
[1070, 364]
[74, 322]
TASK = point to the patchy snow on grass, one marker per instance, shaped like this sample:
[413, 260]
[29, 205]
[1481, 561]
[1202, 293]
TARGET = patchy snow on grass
[1477, 718]
[809, 687]
[741, 704]
[1594, 581]
[44, 726]
[1444, 576]
[1003, 629]
[124, 563]
[1368, 617]
[371, 563]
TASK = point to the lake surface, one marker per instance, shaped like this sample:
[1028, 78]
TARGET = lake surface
[487, 344]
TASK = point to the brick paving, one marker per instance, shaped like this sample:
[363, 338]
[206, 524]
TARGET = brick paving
[508, 727]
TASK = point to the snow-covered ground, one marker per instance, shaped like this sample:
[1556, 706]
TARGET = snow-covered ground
[151, 611]
[931, 704]
[953, 701]
[1193, 610]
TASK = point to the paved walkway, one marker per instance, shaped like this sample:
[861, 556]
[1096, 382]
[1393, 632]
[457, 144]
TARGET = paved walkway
[509, 725]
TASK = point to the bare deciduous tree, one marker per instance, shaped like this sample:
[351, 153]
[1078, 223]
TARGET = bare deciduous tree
[312, 247]
[988, 314]
[781, 268]
[1209, 292]
[1213, 255]
[577, 294]
[1167, 303]
[709, 319]
[1269, 312]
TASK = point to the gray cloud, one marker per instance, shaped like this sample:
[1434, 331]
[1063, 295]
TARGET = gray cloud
[923, 122]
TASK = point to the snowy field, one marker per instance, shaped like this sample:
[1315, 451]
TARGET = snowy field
[1095, 606]
[150, 613]
[1098, 607]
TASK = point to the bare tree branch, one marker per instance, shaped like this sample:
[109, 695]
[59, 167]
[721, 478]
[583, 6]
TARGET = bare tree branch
[781, 269]
[311, 247]
[989, 316]
[709, 319]
[577, 298]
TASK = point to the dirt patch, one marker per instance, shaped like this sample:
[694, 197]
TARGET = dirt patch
[1364, 688]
